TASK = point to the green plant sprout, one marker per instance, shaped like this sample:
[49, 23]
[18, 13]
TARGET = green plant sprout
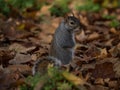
[59, 7]
[89, 6]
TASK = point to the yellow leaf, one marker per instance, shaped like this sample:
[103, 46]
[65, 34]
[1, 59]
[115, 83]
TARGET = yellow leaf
[21, 27]
[73, 79]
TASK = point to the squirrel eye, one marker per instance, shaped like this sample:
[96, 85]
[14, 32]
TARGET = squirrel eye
[72, 23]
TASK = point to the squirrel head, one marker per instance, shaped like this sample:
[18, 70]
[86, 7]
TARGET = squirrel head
[73, 24]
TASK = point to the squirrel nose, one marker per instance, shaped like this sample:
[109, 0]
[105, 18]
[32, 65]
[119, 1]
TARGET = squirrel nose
[77, 29]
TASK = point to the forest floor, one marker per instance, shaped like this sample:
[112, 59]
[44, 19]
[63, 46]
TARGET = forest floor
[97, 51]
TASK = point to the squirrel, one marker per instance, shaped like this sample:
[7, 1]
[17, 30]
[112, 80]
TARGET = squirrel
[62, 44]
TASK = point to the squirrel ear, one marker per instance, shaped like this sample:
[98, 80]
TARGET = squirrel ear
[78, 15]
[69, 14]
[66, 17]
[72, 14]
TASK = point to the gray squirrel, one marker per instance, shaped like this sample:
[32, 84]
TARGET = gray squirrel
[62, 45]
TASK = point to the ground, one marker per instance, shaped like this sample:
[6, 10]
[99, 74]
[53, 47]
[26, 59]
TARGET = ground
[96, 64]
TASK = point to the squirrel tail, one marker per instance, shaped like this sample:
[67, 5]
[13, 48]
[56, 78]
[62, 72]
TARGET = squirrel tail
[42, 63]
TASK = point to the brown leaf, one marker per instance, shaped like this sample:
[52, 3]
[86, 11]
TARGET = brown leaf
[21, 68]
[26, 25]
[54, 20]
[35, 41]
[50, 24]
[48, 28]
[81, 37]
[20, 58]
[5, 56]
[17, 47]
[10, 30]
[93, 51]
[116, 68]
[8, 80]
[103, 53]
[44, 11]
[99, 81]
[87, 67]
[39, 85]
[113, 30]
[93, 36]
[109, 42]
[45, 38]
[41, 52]
[115, 51]
[31, 14]
[34, 57]
[98, 87]
[113, 84]
[103, 70]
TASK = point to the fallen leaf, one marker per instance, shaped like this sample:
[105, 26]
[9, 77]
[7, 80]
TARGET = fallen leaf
[87, 66]
[115, 51]
[92, 51]
[104, 70]
[17, 47]
[103, 53]
[20, 58]
[47, 28]
[106, 80]
[109, 42]
[54, 20]
[116, 68]
[34, 57]
[21, 68]
[93, 36]
[113, 30]
[39, 85]
[30, 14]
[41, 52]
[10, 31]
[44, 11]
[8, 80]
[29, 49]
[45, 38]
[99, 81]
[98, 87]
[6, 56]
[113, 84]
[73, 79]
[81, 37]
